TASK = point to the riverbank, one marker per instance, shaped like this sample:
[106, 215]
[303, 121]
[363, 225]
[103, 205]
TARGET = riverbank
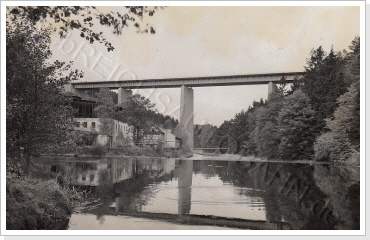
[236, 157]
[40, 201]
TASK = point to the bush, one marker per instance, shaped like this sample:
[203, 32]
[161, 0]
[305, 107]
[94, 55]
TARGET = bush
[96, 151]
[160, 148]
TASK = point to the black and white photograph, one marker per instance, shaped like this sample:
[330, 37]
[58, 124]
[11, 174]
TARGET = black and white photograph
[227, 117]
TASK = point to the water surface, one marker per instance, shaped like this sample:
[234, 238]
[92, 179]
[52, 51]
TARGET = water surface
[131, 193]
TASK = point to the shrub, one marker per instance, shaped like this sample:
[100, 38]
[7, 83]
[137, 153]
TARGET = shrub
[160, 147]
[96, 151]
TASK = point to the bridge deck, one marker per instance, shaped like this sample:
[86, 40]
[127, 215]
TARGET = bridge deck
[251, 79]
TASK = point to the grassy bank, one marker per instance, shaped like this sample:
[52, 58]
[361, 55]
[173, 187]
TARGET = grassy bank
[39, 201]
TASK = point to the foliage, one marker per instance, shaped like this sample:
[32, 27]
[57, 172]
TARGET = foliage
[38, 113]
[63, 19]
[324, 103]
[136, 111]
[330, 147]
[296, 121]
[266, 134]
[160, 147]
[238, 130]
[121, 141]
[287, 124]
[94, 151]
[204, 136]
[327, 77]
[343, 140]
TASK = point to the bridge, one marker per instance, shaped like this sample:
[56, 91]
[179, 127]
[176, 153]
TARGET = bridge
[186, 84]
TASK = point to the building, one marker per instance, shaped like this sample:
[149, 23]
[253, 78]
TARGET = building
[83, 108]
[155, 135]
[105, 131]
[101, 131]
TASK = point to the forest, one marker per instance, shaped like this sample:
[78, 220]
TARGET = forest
[316, 117]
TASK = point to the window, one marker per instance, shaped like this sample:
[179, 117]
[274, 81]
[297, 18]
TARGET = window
[77, 124]
[84, 124]
[93, 124]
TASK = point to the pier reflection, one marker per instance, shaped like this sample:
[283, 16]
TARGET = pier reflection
[184, 174]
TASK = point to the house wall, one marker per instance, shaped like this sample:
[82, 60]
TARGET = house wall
[151, 140]
[170, 140]
[93, 125]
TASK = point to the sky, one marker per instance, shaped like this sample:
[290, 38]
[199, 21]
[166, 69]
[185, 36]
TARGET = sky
[212, 41]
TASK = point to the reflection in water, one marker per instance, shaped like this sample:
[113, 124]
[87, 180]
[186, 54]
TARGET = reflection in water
[185, 173]
[216, 193]
[342, 187]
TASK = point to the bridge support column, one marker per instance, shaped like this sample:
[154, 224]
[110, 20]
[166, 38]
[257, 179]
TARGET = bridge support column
[187, 115]
[70, 88]
[271, 88]
[123, 95]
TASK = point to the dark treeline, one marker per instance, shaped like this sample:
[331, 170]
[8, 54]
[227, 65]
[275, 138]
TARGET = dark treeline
[317, 117]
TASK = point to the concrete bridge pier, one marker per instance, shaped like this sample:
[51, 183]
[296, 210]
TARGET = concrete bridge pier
[123, 95]
[271, 88]
[187, 114]
[70, 88]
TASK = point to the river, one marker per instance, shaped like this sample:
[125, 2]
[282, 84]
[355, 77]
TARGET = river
[133, 193]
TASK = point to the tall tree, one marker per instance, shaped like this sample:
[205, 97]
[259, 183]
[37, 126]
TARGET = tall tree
[266, 133]
[324, 82]
[136, 111]
[38, 112]
[296, 121]
[342, 142]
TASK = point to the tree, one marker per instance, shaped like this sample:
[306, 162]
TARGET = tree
[168, 124]
[342, 142]
[83, 19]
[296, 84]
[296, 122]
[324, 81]
[38, 113]
[136, 111]
[266, 134]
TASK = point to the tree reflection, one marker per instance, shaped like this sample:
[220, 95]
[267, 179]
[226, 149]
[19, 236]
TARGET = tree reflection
[305, 196]
[135, 193]
[342, 187]
[299, 193]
